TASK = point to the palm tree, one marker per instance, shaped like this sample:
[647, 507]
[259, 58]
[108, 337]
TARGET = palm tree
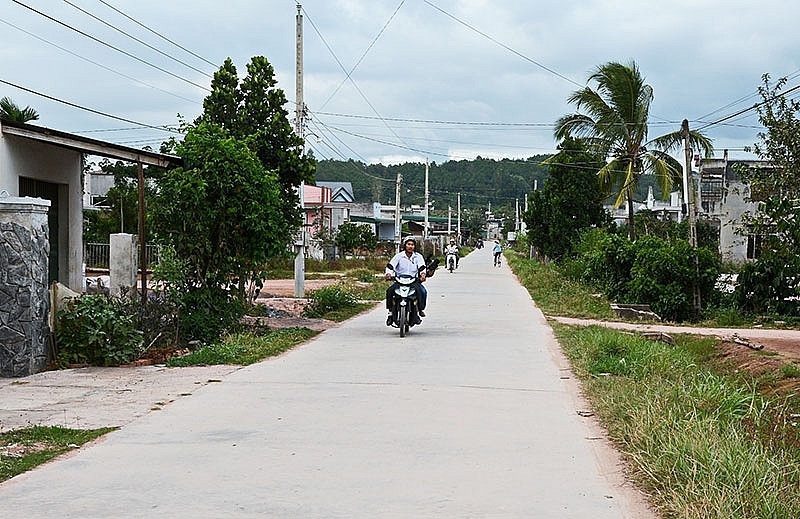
[11, 112]
[615, 125]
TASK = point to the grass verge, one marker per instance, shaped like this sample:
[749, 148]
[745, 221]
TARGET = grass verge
[556, 295]
[23, 449]
[244, 348]
[701, 442]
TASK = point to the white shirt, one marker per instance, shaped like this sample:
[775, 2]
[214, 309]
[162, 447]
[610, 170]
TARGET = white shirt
[452, 249]
[403, 265]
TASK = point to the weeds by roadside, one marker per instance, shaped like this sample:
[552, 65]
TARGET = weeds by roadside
[23, 449]
[702, 443]
[244, 348]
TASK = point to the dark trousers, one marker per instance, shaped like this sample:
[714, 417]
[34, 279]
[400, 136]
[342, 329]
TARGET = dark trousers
[422, 295]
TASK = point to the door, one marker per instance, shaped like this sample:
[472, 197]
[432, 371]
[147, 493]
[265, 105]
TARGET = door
[47, 191]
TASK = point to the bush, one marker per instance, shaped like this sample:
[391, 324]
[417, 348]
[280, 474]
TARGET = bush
[329, 299]
[97, 330]
[207, 313]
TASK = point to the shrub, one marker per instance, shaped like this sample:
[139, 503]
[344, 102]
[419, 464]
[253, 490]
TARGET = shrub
[329, 299]
[97, 330]
[206, 313]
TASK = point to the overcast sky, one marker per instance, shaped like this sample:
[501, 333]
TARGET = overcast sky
[431, 79]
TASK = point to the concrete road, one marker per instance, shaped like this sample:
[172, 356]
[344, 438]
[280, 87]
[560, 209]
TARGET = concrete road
[474, 414]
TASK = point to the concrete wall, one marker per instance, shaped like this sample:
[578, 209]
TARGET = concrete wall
[20, 157]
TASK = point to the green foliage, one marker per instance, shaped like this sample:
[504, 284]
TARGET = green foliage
[97, 330]
[651, 271]
[703, 444]
[329, 299]
[244, 348]
[39, 445]
[570, 201]
[613, 118]
[556, 293]
[218, 212]
[351, 236]
[11, 112]
[207, 312]
[771, 284]
[253, 111]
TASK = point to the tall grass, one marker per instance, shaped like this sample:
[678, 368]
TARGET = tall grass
[703, 444]
[554, 293]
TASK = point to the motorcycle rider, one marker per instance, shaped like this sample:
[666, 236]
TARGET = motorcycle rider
[407, 262]
[452, 249]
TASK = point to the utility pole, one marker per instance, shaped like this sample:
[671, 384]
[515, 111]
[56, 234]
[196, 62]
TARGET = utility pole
[397, 223]
[458, 220]
[688, 193]
[299, 259]
[449, 216]
[427, 171]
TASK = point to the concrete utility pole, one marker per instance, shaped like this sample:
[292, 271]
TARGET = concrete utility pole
[449, 216]
[427, 171]
[397, 222]
[300, 252]
[458, 219]
[688, 194]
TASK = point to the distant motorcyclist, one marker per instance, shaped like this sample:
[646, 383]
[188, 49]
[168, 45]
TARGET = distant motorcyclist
[410, 263]
[452, 249]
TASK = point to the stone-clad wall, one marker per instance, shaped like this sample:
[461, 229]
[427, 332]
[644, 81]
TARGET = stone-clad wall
[24, 295]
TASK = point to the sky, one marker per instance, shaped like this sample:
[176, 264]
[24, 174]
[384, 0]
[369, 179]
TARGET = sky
[392, 81]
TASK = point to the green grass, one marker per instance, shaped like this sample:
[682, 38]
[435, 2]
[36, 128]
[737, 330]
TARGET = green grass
[701, 443]
[244, 348]
[554, 294]
[23, 449]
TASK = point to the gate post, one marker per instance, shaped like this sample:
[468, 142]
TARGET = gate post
[24, 294]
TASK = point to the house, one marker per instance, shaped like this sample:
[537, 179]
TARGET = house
[723, 203]
[44, 163]
[41, 218]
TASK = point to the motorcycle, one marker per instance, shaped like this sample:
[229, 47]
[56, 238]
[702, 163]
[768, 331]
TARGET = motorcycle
[404, 304]
[451, 261]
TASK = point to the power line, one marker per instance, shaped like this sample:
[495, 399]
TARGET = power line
[87, 13]
[526, 58]
[358, 62]
[110, 46]
[156, 33]
[162, 128]
[96, 63]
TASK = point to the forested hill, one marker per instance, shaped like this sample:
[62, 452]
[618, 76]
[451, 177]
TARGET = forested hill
[481, 181]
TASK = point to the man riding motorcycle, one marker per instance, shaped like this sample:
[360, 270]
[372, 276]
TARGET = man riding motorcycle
[452, 249]
[407, 262]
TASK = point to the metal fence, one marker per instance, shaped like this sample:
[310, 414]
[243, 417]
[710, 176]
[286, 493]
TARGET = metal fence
[96, 255]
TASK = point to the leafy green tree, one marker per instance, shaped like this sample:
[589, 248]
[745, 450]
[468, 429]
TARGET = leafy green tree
[219, 211]
[351, 236]
[772, 282]
[615, 125]
[253, 110]
[569, 201]
[11, 112]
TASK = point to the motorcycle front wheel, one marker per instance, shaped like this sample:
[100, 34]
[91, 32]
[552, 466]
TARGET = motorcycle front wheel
[402, 319]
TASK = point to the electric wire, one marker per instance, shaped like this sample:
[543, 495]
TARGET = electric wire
[87, 13]
[96, 63]
[140, 24]
[501, 44]
[104, 114]
[363, 55]
[117, 49]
